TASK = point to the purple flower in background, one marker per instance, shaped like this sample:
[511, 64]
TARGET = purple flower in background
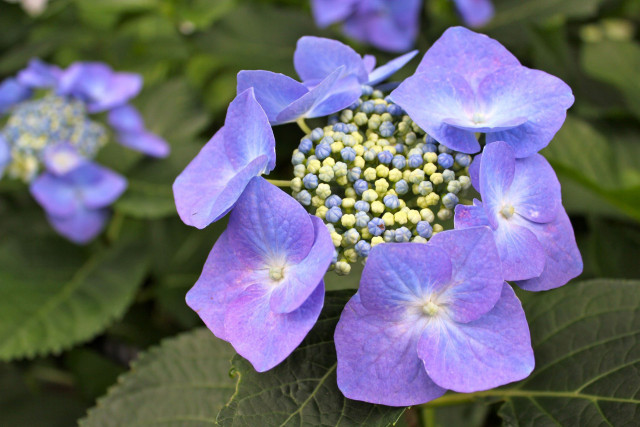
[12, 92]
[214, 180]
[475, 13]
[521, 203]
[131, 132]
[261, 288]
[75, 201]
[468, 83]
[5, 155]
[390, 25]
[98, 85]
[39, 74]
[431, 317]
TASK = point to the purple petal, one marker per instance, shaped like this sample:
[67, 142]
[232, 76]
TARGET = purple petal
[5, 155]
[496, 175]
[55, 195]
[273, 91]
[299, 279]
[316, 58]
[12, 92]
[472, 55]
[400, 276]
[269, 227]
[521, 253]
[476, 281]
[327, 12]
[535, 190]
[483, 354]
[475, 13]
[248, 132]
[82, 226]
[443, 96]
[62, 158]
[563, 260]
[266, 338]
[145, 142]
[369, 62]
[378, 360]
[126, 118]
[96, 186]
[39, 74]
[474, 171]
[382, 73]
[470, 216]
[518, 92]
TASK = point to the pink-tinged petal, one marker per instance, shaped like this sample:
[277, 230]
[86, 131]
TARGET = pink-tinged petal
[81, 226]
[522, 255]
[535, 190]
[378, 360]
[298, 280]
[316, 57]
[444, 96]
[489, 352]
[496, 175]
[470, 54]
[273, 91]
[266, 338]
[403, 276]
[385, 71]
[476, 281]
[470, 216]
[327, 12]
[475, 13]
[563, 261]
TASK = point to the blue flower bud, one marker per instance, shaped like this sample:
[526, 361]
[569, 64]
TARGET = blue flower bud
[348, 141]
[363, 248]
[360, 186]
[463, 160]
[424, 229]
[389, 236]
[332, 201]
[403, 234]
[448, 175]
[394, 110]
[334, 214]
[351, 236]
[327, 140]
[367, 107]
[310, 181]
[391, 201]
[445, 160]
[415, 161]
[386, 129]
[362, 206]
[362, 219]
[366, 90]
[376, 226]
[305, 145]
[450, 200]
[399, 161]
[331, 228]
[443, 149]
[297, 158]
[379, 108]
[348, 154]
[323, 151]
[430, 148]
[354, 174]
[431, 140]
[385, 157]
[317, 134]
[399, 148]
[402, 187]
[304, 197]
[425, 187]
[369, 155]
[335, 257]
[340, 127]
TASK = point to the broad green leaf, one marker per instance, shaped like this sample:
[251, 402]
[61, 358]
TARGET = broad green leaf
[54, 295]
[184, 381]
[513, 12]
[302, 390]
[613, 249]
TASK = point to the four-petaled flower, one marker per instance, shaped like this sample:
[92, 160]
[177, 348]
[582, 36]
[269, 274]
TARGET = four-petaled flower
[261, 288]
[431, 317]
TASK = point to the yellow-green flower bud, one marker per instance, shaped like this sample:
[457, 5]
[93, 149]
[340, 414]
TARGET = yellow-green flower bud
[329, 161]
[414, 216]
[348, 220]
[395, 175]
[323, 191]
[432, 199]
[430, 168]
[369, 195]
[296, 184]
[381, 185]
[400, 217]
[377, 207]
[382, 171]
[436, 178]
[427, 215]
[376, 241]
[369, 174]
[388, 219]
[337, 239]
[348, 202]
[313, 166]
[326, 173]
[321, 211]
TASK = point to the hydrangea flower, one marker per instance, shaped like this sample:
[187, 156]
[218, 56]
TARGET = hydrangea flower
[468, 83]
[131, 132]
[521, 202]
[261, 288]
[475, 13]
[76, 201]
[431, 317]
[390, 25]
[214, 180]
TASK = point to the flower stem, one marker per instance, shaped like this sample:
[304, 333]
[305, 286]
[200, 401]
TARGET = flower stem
[303, 126]
[280, 182]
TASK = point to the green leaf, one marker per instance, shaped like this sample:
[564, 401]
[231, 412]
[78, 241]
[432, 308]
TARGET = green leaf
[302, 390]
[513, 12]
[54, 295]
[184, 381]
[613, 249]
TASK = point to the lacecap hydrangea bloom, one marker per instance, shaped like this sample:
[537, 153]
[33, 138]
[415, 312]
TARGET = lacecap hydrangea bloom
[390, 25]
[49, 139]
[433, 311]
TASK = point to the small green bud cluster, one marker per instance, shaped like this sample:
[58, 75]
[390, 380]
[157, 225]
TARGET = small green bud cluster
[374, 176]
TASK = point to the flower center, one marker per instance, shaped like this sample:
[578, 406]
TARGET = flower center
[276, 273]
[478, 118]
[430, 308]
[507, 211]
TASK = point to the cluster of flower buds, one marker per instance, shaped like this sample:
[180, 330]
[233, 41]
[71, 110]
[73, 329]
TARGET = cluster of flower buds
[374, 176]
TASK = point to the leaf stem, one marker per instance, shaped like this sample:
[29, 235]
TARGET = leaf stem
[303, 125]
[283, 183]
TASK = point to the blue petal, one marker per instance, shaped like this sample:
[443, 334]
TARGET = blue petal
[316, 58]
[327, 12]
[378, 360]
[273, 91]
[496, 175]
[39, 74]
[55, 195]
[145, 142]
[82, 226]
[95, 185]
[5, 155]
[472, 55]
[535, 190]
[470, 216]
[12, 92]
[126, 118]
[521, 253]
[382, 73]
[489, 352]
[475, 13]
[369, 62]
[61, 159]
[266, 338]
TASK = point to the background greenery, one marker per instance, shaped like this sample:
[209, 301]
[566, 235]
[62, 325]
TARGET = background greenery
[73, 318]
